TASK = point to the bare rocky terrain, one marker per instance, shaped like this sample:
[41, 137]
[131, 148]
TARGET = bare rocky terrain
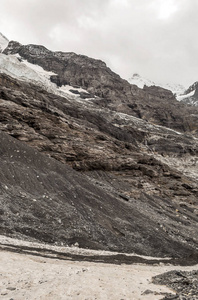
[107, 166]
[154, 104]
[185, 283]
[46, 200]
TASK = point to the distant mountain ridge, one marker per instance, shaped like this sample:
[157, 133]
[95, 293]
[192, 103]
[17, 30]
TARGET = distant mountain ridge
[141, 81]
[190, 96]
[187, 96]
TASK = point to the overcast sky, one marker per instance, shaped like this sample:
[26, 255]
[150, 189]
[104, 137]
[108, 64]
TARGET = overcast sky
[155, 38]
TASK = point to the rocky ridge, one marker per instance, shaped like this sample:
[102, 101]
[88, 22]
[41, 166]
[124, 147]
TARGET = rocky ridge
[190, 96]
[156, 105]
[136, 186]
[186, 96]
[176, 89]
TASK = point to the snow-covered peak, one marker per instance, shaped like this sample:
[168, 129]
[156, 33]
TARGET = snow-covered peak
[140, 81]
[192, 88]
[3, 42]
[177, 89]
[185, 96]
[190, 96]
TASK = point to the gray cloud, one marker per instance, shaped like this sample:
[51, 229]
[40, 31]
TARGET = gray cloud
[156, 38]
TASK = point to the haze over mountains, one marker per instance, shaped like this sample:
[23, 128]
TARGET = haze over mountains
[89, 158]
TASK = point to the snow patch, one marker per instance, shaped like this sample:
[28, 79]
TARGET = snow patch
[67, 88]
[182, 97]
[3, 42]
[15, 66]
[12, 66]
[144, 124]
[39, 70]
[140, 81]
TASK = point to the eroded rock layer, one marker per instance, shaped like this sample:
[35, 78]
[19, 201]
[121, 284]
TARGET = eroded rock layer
[136, 188]
[153, 104]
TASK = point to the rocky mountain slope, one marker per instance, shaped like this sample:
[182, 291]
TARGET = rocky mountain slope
[135, 151]
[187, 96]
[153, 104]
[190, 96]
[176, 89]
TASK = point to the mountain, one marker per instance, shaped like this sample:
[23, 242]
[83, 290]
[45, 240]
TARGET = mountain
[176, 89]
[190, 96]
[88, 158]
[187, 96]
[114, 92]
[140, 81]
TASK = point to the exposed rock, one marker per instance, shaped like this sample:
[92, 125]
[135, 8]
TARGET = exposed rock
[153, 103]
[184, 283]
[190, 96]
[48, 192]
[133, 174]
[192, 88]
[10, 288]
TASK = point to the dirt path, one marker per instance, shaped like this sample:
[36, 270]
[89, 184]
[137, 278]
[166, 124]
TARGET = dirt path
[27, 277]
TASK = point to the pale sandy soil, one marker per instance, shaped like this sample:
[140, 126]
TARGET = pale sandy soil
[71, 250]
[28, 277]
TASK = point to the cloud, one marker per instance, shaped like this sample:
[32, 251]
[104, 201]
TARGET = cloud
[156, 38]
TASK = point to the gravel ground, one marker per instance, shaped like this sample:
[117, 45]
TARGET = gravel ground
[31, 277]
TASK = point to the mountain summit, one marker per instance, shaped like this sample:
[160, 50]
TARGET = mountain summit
[140, 81]
[190, 96]
[187, 96]
[176, 89]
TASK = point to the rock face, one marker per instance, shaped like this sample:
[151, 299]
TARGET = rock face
[153, 104]
[136, 185]
[176, 89]
[184, 283]
[191, 95]
[45, 200]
